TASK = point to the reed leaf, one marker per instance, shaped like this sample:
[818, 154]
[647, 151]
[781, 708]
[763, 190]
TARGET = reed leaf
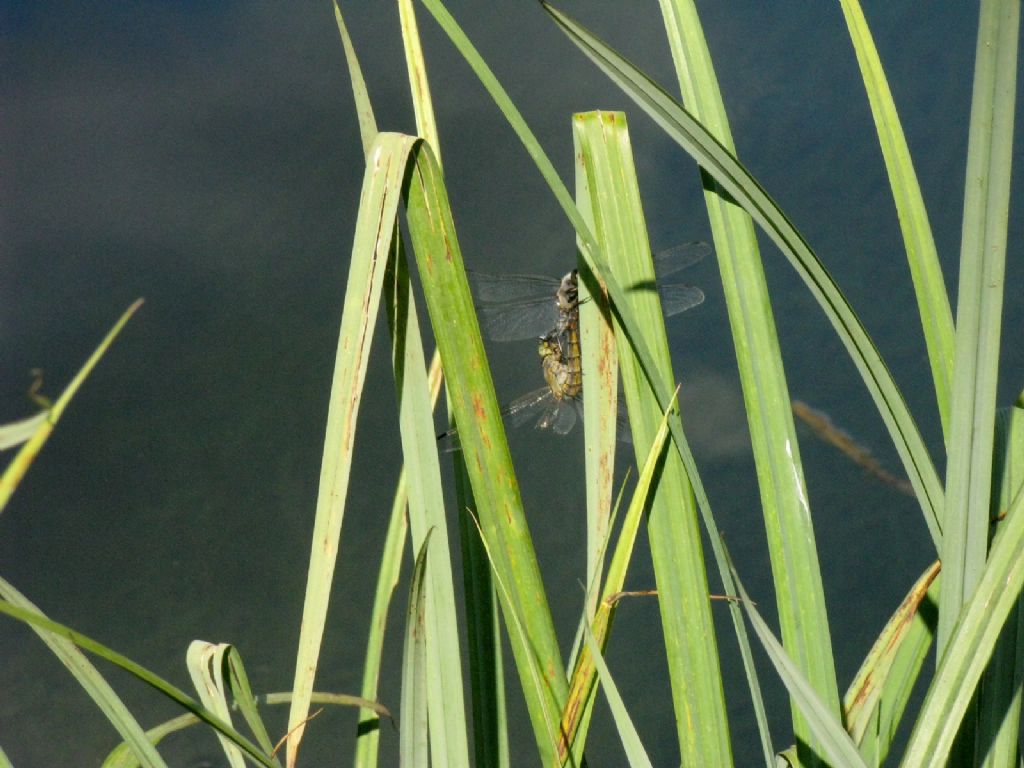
[726, 170]
[375, 225]
[674, 533]
[837, 748]
[970, 645]
[799, 592]
[877, 697]
[65, 642]
[482, 437]
[925, 270]
[979, 309]
[19, 465]
[414, 747]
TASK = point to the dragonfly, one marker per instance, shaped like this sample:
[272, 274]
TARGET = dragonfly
[514, 307]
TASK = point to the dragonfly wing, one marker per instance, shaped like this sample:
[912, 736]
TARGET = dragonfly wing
[671, 260]
[534, 404]
[526, 319]
[678, 298]
[563, 418]
[494, 289]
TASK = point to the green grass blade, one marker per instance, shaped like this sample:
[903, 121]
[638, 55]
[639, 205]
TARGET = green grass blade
[970, 645]
[414, 746]
[588, 245]
[15, 605]
[375, 225]
[837, 748]
[999, 696]
[122, 756]
[691, 649]
[599, 358]
[790, 532]
[636, 755]
[878, 695]
[925, 270]
[582, 683]
[979, 309]
[364, 109]
[206, 666]
[482, 437]
[727, 171]
[449, 743]
[19, 465]
[368, 731]
[419, 86]
[15, 433]
[95, 685]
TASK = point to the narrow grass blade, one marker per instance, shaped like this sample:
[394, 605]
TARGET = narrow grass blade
[414, 745]
[375, 225]
[364, 109]
[837, 748]
[61, 638]
[19, 465]
[422, 472]
[674, 532]
[448, 728]
[368, 731]
[636, 755]
[970, 646]
[726, 170]
[122, 756]
[925, 270]
[999, 695]
[419, 87]
[206, 665]
[582, 684]
[599, 358]
[791, 541]
[875, 701]
[17, 432]
[95, 685]
[979, 309]
[482, 436]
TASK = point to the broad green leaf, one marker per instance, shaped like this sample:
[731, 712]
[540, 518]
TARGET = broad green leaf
[925, 270]
[784, 503]
[690, 644]
[979, 309]
[482, 438]
[382, 186]
[727, 172]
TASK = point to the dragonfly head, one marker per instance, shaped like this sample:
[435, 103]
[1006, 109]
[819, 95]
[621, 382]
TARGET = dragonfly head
[568, 294]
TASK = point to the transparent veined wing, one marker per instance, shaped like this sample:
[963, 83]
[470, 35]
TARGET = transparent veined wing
[544, 410]
[671, 260]
[514, 307]
[676, 298]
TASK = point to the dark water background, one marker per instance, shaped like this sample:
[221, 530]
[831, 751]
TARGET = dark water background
[206, 156]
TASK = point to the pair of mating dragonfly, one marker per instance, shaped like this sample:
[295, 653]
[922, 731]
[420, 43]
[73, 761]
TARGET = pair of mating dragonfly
[515, 307]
